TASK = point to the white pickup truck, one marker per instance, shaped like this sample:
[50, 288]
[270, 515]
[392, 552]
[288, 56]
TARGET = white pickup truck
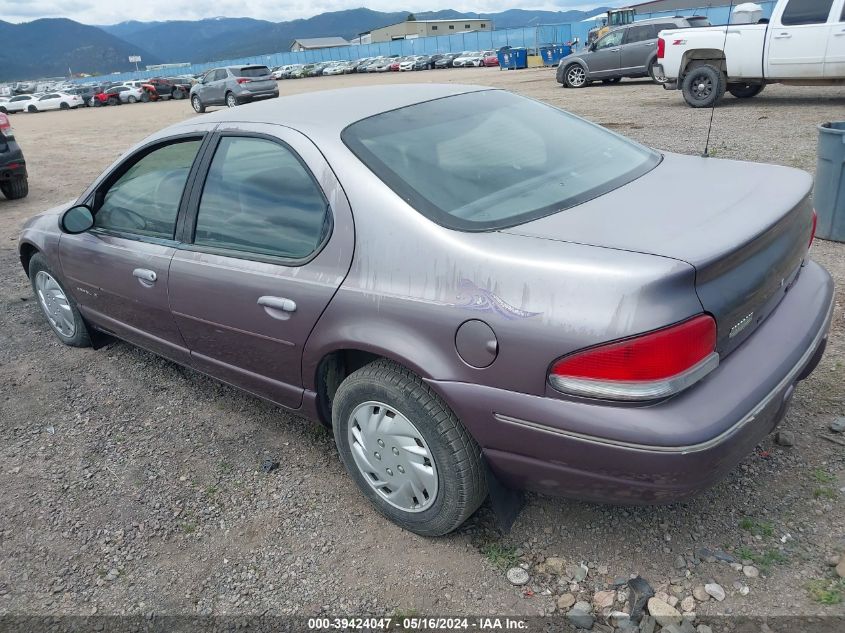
[803, 44]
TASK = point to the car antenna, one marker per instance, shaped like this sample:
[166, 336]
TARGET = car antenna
[706, 153]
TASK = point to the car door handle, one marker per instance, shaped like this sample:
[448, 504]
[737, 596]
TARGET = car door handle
[783, 36]
[615, 50]
[840, 34]
[278, 307]
[144, 275]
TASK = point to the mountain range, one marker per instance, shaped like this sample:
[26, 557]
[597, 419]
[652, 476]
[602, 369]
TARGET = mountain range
[49, 47]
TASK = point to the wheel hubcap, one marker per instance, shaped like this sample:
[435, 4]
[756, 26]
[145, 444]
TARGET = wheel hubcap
[703, 88]
[393, 457]
[576, 76]
[55, 304]
[230, 101]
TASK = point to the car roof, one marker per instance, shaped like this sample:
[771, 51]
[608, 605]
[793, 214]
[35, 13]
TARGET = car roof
[316, 113]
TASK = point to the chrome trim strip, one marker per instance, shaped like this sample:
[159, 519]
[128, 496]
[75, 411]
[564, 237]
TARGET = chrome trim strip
[693, 448]
[636, 391]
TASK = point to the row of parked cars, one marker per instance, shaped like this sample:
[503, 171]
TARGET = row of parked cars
[70, 98]
[382, 64]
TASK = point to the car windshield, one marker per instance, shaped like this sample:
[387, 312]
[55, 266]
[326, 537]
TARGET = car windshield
[490, 159]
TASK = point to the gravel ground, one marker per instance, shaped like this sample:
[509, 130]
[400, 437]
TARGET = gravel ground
[130, 485]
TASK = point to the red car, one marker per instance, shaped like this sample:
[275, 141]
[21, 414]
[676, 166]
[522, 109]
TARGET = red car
[491, 59]
[111, 96]
[394, 67]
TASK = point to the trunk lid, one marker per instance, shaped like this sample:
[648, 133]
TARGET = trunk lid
[744, 227]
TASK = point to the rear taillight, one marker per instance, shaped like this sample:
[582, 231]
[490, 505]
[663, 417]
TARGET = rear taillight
[654, 365]
[815, 226]
[243, 80]
[661, 48]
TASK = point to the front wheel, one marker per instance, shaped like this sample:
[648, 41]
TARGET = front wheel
[16, 188]
[231, 100]
[178, 94]
[32, 109]
[745, 91]
[132, 99]
[57, 305]
[575, 77]
[406, 450]
[197, 105]
[703, 86]
[64, 106]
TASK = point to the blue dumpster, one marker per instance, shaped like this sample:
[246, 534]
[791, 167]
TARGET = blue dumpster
[829, 194]
[547, 54]
[512, 58]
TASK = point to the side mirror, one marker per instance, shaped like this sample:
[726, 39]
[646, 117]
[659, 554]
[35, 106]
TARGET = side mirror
[77, 219]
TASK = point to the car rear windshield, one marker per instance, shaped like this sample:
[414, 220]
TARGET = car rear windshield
[254, 71]
[489, 160]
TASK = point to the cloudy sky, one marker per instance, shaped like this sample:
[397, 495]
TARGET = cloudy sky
[113, 11]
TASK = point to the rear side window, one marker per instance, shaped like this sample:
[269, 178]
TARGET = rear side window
[806, 12]
[259, 198]
[145, 199]
[490, 159]
[254, 71]
[639, 33]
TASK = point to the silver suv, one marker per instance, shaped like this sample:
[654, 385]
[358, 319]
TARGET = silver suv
[232, 86]
[629, 51]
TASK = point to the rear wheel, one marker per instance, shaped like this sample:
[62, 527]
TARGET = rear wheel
[197, 104]
[178, 94]
[575, 76]
[145, 97]
[653, 73]
[16, 188]
[32, 109]
[406, 450]
[132, 99]
[64, 106]
[57, 305]
[704, 86]
[113, 101]
[745, 91]
[231, 100]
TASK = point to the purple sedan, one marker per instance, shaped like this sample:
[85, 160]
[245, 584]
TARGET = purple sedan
[469, 287]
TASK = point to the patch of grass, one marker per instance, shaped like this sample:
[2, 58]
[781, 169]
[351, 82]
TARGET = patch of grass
[190, 528]
[765, 560]
[211, 490]
[757, 528]
[226, 467]
[824, 493]
[826, 591]
[501, 556]
[820, 475]
[400, 614]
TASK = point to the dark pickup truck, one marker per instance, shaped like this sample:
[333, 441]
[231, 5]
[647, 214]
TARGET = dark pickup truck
[13, 179]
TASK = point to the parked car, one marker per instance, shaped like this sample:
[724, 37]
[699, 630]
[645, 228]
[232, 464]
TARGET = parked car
[21, 103]
[447, 60]
[490, 58]
[467, 58]
[109, 96]
[301, 70]
[381, 65]
[3, 102]
[283, 72]
[415, 62]
[167, 88]
[587, 335]
[13, 177]
[363, 63]
[55, 101]
[803, 43]
[629, 51]
[129, 94]
[232, 86]
[338, 68]
[86, 93]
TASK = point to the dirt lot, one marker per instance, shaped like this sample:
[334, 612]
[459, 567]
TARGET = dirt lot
[130, 485]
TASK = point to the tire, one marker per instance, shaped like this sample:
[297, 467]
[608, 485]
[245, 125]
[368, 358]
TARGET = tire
[651, 73]
[64, 106]
[3, 110]
[15, 189]
[197, 105]
[703, 86]
[441, 444]
[745, 91]
[32, 109]
[132, 99]
[145, 98]
[231, 100]
[52, 296]
[114, 101]
[574, 76]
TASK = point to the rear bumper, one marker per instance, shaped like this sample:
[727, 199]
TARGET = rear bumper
[663, 452]
[12, 164]
[250, 95]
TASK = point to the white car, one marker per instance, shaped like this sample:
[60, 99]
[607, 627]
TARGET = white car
[55, 101]
[21, 103]
[408, 63]
[469, 58]
[3, 102]
[130, 95]
[335, 69]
